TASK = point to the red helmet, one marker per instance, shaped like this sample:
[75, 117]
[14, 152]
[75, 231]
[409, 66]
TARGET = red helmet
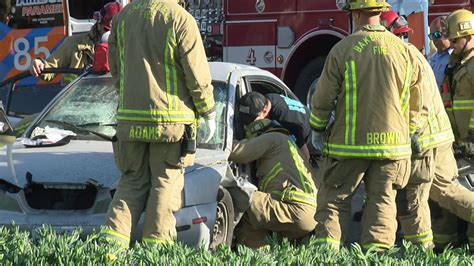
[394, 23]
[105, 14]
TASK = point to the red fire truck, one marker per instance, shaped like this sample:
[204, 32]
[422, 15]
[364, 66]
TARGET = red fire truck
[291, 38]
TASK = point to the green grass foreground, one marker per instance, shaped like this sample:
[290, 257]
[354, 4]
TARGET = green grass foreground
[50, 248]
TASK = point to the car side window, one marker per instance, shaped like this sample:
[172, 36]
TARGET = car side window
[264, 87]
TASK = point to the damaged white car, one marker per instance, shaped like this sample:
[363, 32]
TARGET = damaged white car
[61, 172]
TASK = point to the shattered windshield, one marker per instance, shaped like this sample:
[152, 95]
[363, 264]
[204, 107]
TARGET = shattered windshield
[91, 104]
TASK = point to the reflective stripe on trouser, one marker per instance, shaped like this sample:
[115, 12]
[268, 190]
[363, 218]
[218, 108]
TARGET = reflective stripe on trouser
[341, 178]
[445, 191]
[151, 178]
[290, 195]
[412, 201]
[117, 237]
[266, 215]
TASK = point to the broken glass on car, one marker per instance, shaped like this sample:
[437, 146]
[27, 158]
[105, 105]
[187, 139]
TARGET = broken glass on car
[88, 107]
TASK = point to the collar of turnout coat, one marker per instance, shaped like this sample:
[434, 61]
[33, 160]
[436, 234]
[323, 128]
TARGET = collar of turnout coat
[371, 27]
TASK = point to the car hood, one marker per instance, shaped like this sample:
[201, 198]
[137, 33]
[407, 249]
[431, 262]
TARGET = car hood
[79, 161]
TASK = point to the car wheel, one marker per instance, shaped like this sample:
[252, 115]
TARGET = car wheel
[223, 228]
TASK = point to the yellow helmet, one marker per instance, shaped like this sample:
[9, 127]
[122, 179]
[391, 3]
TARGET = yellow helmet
[370, 5]
[459, 23]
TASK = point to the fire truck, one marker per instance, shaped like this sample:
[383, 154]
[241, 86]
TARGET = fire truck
[291, 38]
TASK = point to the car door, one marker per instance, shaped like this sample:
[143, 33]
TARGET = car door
[22, 102]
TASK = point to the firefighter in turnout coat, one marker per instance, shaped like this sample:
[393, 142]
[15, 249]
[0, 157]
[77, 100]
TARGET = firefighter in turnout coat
[77, 51]
[285, 202]
[368, 82]
[458, 96]
[432, 159]
[160, 70]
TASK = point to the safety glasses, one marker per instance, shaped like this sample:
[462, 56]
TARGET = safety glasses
[400, 22]
[435, 35]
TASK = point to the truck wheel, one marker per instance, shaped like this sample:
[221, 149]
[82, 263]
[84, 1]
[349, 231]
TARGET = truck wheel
[223, 228]
[310, 72]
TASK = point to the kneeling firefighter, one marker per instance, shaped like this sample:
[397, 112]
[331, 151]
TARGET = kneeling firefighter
[285, 202]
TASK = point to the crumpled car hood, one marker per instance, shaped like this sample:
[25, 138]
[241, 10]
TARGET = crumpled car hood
[81, 160]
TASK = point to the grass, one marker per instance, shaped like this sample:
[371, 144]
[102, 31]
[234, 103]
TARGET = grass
[18, 248]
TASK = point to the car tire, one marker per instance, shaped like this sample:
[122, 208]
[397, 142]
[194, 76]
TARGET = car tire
[310, 72]
[223, 229]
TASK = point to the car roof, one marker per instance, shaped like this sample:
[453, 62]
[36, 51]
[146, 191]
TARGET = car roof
[219, 70]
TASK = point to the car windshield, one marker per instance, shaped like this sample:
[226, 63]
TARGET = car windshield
[91, 104]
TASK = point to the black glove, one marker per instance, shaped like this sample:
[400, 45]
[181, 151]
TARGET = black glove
[415, 146]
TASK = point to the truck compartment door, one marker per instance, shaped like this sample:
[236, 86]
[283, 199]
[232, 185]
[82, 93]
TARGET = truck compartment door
[251, 49]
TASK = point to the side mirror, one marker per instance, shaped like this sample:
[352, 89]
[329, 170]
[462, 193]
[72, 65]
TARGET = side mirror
[7, 134]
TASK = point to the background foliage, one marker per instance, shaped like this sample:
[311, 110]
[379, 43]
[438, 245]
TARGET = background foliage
[47, 247]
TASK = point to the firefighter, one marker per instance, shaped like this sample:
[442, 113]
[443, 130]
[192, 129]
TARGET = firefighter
[439, 60]
[288, 112]
[458, 92]
[368, 81]
[77, 51]
[435, 138]
[459, 99]
[163, 80]
[285, 202]
[432, 158]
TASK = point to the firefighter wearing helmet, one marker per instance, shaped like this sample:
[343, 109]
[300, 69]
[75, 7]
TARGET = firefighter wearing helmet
[398, 25]
[77, 51]
[458, 83]
[285, 202]
[160, 70]
[369, 81]
[458, 94]
[433, 162]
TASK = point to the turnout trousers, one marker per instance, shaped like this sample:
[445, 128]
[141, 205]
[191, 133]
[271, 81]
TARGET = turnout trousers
[449, 229]
[455, 199]
[151, 182]
[412, 201]
[265, 215]
[341, 178]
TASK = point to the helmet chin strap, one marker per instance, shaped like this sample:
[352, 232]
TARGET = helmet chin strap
[463, 49]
